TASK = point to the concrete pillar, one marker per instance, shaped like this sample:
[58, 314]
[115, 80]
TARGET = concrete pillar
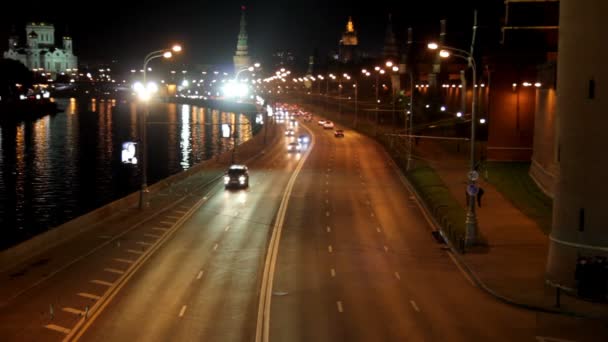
[580, 209]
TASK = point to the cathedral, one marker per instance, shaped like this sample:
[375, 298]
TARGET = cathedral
[348, 43]
[40, 51]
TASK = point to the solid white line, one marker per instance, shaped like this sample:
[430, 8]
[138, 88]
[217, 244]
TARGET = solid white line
[200, 275]
[143, 243]
[101, 282]
[152, 236]
[165, 222]
[328, 229]
[113, 270]
[333, 272]
[57, 328]
[226, 229]
[161, 229]
[134, 251]
[215, 247]
[330, 249]
[397, 275]
[414, 306]
[89, 296]
[125, 261]
[183, 310]
[339, 303]
[73, 311]
[465, 274]
[385, 248]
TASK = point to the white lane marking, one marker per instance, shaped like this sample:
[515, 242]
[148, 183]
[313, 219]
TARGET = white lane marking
[551, 339]
[333, 272]
[215, 247]
[101, 282]
[340, 309]
[328, 170]
[327, 213]
[378, 229]
[182, 311]
[57, 328]
[200, 275]
[465, 274]
[385, 248]
[161, 229]
[227, 228]
[124, 261]
[326, 183]
[326, 201]
[372, 214]
[328, 229]
[134, 251]
[113, 270]
[89, 295]
[151, 236]
[143, 243]
[397, 275]
[330, 249]
[166, 222]
[73, 311]
[205, 198]
[414, 306]
[173, 217]
[327, 175]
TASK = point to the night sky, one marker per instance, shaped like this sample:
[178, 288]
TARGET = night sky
[126, 31]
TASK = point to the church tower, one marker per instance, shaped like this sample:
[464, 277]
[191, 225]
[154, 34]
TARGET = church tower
[241, 58]
[348, 43]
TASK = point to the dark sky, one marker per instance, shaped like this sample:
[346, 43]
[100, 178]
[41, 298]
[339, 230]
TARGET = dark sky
[127, 30]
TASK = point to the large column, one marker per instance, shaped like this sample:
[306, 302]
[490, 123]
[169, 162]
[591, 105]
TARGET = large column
[580, 210]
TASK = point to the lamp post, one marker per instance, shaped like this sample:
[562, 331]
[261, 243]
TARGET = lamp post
[471, 220]
[356, 107]
[394, 68]
[411, 120]
[145, 95]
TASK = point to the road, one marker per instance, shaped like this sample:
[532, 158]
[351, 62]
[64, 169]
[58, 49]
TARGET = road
[356, 262]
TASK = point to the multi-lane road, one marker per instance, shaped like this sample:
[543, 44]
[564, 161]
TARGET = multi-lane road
[356, 261]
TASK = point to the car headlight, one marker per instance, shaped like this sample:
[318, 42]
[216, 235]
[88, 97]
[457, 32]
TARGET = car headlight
[242, 179]
[305, 139]
[226, 179]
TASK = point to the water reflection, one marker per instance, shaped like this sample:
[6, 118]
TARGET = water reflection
[62, 166]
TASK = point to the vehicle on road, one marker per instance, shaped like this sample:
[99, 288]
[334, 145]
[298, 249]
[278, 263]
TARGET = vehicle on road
[321, 122]
[236, 176]
[289, 132]
[339, 133]
[293, 147]
[304, 139]
[328, 125]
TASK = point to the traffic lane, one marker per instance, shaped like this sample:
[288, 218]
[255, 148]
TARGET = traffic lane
[222, 246]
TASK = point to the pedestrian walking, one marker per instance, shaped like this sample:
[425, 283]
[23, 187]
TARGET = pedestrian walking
[479, 195]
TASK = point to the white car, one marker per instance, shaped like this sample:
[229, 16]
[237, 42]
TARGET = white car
[321, 122]
[328, 125]
[294, 147]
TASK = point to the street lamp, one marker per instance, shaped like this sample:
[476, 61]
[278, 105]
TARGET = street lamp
[166, 53]
[471, 220]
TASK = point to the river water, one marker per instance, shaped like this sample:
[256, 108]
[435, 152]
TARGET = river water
[62, 166]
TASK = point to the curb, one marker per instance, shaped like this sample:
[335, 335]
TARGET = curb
[437, 227]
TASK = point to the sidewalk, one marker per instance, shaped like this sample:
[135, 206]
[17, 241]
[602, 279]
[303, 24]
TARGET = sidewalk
[512, 264]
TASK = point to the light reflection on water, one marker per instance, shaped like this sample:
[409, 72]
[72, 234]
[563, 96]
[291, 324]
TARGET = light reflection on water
[62, 166]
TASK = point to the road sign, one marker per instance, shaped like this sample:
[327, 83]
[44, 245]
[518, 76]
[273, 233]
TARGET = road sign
[473, 175]
[472, 189]
[129, 153]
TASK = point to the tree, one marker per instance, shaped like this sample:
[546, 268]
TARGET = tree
[12, 73]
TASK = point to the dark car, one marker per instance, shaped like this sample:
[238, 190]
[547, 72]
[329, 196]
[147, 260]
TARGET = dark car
[236, 176]
[339, 133]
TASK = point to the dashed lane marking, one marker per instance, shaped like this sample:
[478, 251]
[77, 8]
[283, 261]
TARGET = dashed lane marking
[101, 282]
[89, 295]
[143, 243]
[124, 261]
[135, 251]
[385, 248]
[180, 211]
[327, 213]
[57, 328]
[73, 311]
[160, 229]
[173, 217]
[378, 229]
[333, 272]
[151, 236]
[215, 247]
[167, 222]
[227, 228]
[200, 275]
[339, 304]
[113, 270]
[328, 229]
[414, 306]
[182, 311]
[397, 275]
[330, 249]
